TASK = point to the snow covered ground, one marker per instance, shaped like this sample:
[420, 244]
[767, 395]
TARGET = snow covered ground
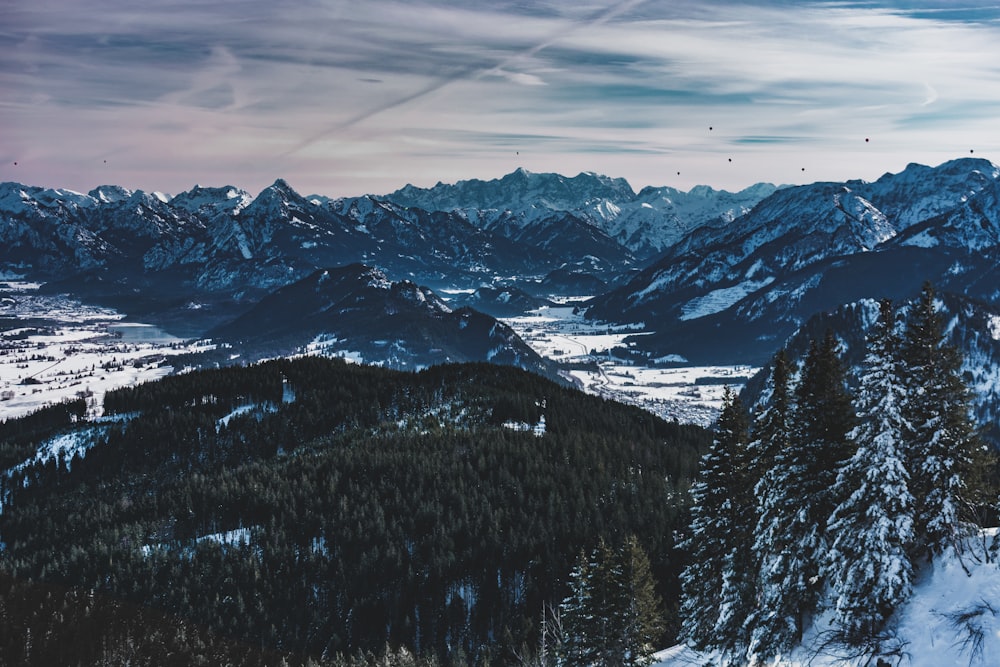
[927, 631]
[66, 349]
[691, 394]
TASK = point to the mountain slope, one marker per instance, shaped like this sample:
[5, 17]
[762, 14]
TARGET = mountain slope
[972, 326]
[322, 507]
[742, 288]
[950, 619]
[356, 309]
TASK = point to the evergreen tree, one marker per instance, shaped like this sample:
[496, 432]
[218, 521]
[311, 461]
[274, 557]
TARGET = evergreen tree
[772, 623]
[644, 615]
[610, 607]
[942, 442]
[612, 616]
[823, 418]
[715, 583]
[796, 501]
[772, 427]
[871, 530]
[577, 612]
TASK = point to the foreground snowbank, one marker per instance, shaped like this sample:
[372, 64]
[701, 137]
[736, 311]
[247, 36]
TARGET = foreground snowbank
[953, 618]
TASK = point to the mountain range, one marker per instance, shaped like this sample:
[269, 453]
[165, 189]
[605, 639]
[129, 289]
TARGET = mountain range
[217, 240]
[356, 310]
[219, 261]
[734, 293]
[715, 277]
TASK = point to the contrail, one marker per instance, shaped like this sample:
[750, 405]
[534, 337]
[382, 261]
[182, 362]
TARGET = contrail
[467, 73]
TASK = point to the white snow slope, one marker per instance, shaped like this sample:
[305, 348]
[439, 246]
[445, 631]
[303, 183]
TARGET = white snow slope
[925, 632]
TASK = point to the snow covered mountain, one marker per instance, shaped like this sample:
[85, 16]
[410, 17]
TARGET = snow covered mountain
[140, 251]
[735, 292]
[357, 312]
[644, 224]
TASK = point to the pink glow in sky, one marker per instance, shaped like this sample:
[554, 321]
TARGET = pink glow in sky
[345, 98]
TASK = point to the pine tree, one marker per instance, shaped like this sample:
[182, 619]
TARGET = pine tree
[593, 614]
[609, 613]
[577, 612]
[715, 582]
[871, 531]
[942, 442]
[612, 616]
[823, 418]
[796, 501]
[644, 615]
[772, 427]
[772, 624]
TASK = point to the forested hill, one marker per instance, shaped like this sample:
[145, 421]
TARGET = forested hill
[320, 507]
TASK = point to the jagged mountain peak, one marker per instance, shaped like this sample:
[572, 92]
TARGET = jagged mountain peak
[356, 273]
[198, 196]
[282, 185]
[643, 224]
[516, 188]
[957, 167]
[17, 198]
[111, 193]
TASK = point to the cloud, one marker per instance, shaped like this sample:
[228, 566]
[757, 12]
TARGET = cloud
[344, 98]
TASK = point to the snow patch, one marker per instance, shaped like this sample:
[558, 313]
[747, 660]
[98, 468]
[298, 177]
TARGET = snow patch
[994, 326]
[62, 448]
[523, 427]
[719, 300]
[230, 538]
[671, 359]
[921, 240]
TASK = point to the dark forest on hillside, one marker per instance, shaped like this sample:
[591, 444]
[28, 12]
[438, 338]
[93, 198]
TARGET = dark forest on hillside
[324, 508]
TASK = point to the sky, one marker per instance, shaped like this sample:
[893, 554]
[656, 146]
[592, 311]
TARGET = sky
[347, 98]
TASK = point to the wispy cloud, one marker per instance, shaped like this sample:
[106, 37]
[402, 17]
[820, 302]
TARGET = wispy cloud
[345, 98]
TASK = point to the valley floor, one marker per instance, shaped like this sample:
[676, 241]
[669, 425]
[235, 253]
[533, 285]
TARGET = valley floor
[54, 348]
[669, 389]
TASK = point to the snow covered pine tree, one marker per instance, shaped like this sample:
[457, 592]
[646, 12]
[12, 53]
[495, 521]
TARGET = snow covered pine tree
[870, 532]
[942, 441]
[714, 583]
[612, 616]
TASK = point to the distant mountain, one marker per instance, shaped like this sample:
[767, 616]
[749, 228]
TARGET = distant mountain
[735, 292]
[645, 223]
[503, 300]
[356, 311]
[151, 254]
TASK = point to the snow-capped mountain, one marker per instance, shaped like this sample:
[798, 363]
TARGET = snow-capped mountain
[358, 312]
[124, 247]
[738, 290]
[644, 224]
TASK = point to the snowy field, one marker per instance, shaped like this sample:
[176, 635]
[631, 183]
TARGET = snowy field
[690, 394]
[55, 348]
[66, 349]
